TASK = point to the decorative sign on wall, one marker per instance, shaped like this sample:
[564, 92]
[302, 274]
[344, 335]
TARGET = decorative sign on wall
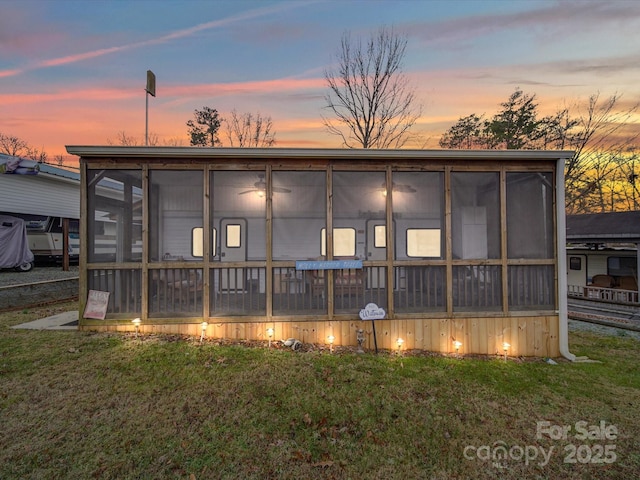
[327, 264]
[97, 302]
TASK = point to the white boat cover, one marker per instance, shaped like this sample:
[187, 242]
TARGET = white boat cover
[14, 247]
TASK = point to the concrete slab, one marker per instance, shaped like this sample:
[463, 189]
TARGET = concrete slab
[55, 322]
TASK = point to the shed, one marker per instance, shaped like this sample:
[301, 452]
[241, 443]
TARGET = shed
[464, 250]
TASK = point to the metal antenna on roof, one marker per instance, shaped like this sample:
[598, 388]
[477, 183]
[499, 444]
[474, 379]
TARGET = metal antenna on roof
[150, 90]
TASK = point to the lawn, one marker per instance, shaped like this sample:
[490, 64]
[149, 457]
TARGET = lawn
[113, 406]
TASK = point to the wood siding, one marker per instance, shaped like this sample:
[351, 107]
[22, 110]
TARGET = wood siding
[530, 336]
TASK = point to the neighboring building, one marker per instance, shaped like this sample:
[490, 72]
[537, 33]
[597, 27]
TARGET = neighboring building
[465, 246]
[43, 195]
[602, 256]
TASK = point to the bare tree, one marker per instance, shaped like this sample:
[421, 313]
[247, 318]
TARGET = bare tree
[172, 142]
[371, 98]
[12, 145]
[123, 139]
[600, 176]
[248, 130]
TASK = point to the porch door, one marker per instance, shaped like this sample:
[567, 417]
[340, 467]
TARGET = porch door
[576, 270]
[233, 248]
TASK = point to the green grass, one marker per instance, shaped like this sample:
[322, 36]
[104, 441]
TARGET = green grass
[89, 405]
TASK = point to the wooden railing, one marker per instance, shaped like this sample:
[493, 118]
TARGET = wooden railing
[125, 286]
[612, 295]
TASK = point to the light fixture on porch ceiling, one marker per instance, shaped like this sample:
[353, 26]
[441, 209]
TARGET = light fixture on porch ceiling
[260, 187]
[398, 187]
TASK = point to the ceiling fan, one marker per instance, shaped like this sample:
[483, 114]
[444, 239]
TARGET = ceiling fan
[398, 187]
[260, 187]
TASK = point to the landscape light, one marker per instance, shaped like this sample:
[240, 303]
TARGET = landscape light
[204, 326]
[505, 347]
[330, 339]
[399, 342]
[270, 334]
[136, 323]
[457, 344]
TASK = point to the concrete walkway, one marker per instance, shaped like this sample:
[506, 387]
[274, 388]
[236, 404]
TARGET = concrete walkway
[60, 321]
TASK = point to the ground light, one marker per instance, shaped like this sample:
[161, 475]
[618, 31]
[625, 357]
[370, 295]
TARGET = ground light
[399, 342]
[204, 326]
[330, 339]
[270, 335]
[136, 323]
[457, 344]
[505, 347]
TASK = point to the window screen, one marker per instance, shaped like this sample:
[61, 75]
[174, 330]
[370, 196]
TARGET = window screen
[530, 231]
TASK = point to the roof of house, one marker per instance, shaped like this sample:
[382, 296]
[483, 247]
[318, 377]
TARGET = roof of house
[59, 171]
[604, 227]
[346, 155]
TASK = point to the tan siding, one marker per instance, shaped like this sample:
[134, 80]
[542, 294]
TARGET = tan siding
[528, 336]
[36, 194]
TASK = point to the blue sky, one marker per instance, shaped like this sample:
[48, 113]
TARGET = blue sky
[73, 72]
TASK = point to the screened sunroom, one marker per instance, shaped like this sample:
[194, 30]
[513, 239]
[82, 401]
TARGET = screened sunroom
[455, 246]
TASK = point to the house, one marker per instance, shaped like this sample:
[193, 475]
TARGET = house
[46, 197]
[602, 256]
[455, 246]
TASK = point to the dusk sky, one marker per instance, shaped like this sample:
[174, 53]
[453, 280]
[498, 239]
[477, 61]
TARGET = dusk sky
[74, 72]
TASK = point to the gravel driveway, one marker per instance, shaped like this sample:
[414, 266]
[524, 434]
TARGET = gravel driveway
[38, 274]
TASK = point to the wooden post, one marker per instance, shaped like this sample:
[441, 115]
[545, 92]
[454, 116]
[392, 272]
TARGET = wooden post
[65, 244]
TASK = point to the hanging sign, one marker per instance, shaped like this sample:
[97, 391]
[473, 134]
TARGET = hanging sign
[327, 264]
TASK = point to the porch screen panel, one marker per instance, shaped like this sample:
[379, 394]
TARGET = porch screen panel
[418, 213]
[299, 214]
[175, 203]
[477, 288]
[531, 287]
[114, 201]
[475, 215]
[359, 206]
[358, 198]
[530, 215]
[239, 195]
[530, 236]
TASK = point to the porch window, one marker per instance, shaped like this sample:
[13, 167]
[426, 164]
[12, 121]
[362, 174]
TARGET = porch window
[530, 238]
[238, 214]
[175, 210]
[299, 213]
[530, 215]
[418, 214]
[115, 210]
[358, 199]
[475, 215]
